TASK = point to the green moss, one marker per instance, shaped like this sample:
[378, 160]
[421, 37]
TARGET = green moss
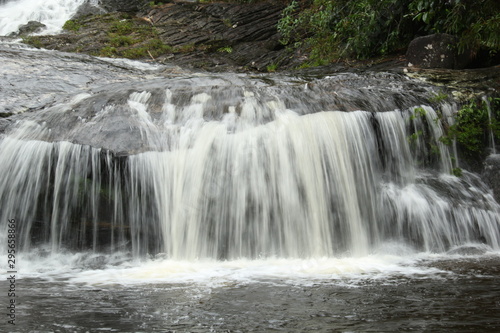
[156, 47]
[122, 27]
[121, 41]
[272, 68]
[473, 127]
[185, 48]
[33, 41]
[227, 49]
[108, 51]
[135, 53]
[438, 98]
[457, 172]
[72, 25]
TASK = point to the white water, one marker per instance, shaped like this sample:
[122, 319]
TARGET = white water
[52, 13]
[326, 184]
[491, 135]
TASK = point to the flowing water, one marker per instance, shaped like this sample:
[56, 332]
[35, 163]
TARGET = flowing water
[52, 13]
[148, 200]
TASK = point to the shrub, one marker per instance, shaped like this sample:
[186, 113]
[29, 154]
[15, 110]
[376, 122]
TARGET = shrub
[367, 28]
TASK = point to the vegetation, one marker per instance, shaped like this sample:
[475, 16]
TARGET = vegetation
[476, 120]
[227, 49]
[359, 29]
[72, 25]
[33, 41]
[120, 35]
[272, 67]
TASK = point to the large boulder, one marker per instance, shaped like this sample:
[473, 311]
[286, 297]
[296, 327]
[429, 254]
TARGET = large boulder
[437, 51]
[32, 27]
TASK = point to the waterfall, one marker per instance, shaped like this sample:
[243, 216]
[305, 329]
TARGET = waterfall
[491, 135]
[233, 173]
[52, 13]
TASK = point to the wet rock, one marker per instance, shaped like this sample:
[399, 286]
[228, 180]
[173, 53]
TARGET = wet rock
[122, 5]
[437, 51]
[88, 8]
[469, 250]
[210, 36]
[29, 28]
[491, 174]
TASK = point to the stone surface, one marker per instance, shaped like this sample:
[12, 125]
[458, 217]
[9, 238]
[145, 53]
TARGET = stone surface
[211, 36]
[88, 8]
[29, 28]
[437, 51]
[122, 5]
[491, 174]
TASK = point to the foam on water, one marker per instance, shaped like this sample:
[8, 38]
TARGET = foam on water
[391, 262]
[52, 13]
[91, 270]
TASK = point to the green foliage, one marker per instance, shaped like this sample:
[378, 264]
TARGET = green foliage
[272, 68]
[418, 112]
[72, 25]
[473, 126]
[457, 172]
[227, 49]
[153, 4]
[438, 98]
[476, 22]
[330, 30]
[412, 138]
[344, 28]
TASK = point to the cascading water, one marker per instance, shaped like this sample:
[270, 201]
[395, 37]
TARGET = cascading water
[52, 13]
[249, 171]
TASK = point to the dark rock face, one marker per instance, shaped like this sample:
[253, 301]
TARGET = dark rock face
[437, 51]
[30, 28]
[122, 5]
[86, 9]
[491, 174]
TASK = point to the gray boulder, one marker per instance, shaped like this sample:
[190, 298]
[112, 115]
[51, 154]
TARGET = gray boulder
[29, 28]
[437, 51]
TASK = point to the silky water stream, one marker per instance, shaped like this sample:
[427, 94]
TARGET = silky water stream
[147, 201]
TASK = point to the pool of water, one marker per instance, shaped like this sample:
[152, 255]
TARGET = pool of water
[454, 293]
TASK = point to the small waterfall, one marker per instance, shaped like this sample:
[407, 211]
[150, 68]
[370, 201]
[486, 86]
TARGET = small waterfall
[52, 13]
[243, 172]
[490, 117]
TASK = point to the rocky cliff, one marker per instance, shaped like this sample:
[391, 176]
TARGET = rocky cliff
[213, 36]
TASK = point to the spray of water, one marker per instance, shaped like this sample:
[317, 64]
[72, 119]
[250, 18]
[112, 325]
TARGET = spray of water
[52, 13]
